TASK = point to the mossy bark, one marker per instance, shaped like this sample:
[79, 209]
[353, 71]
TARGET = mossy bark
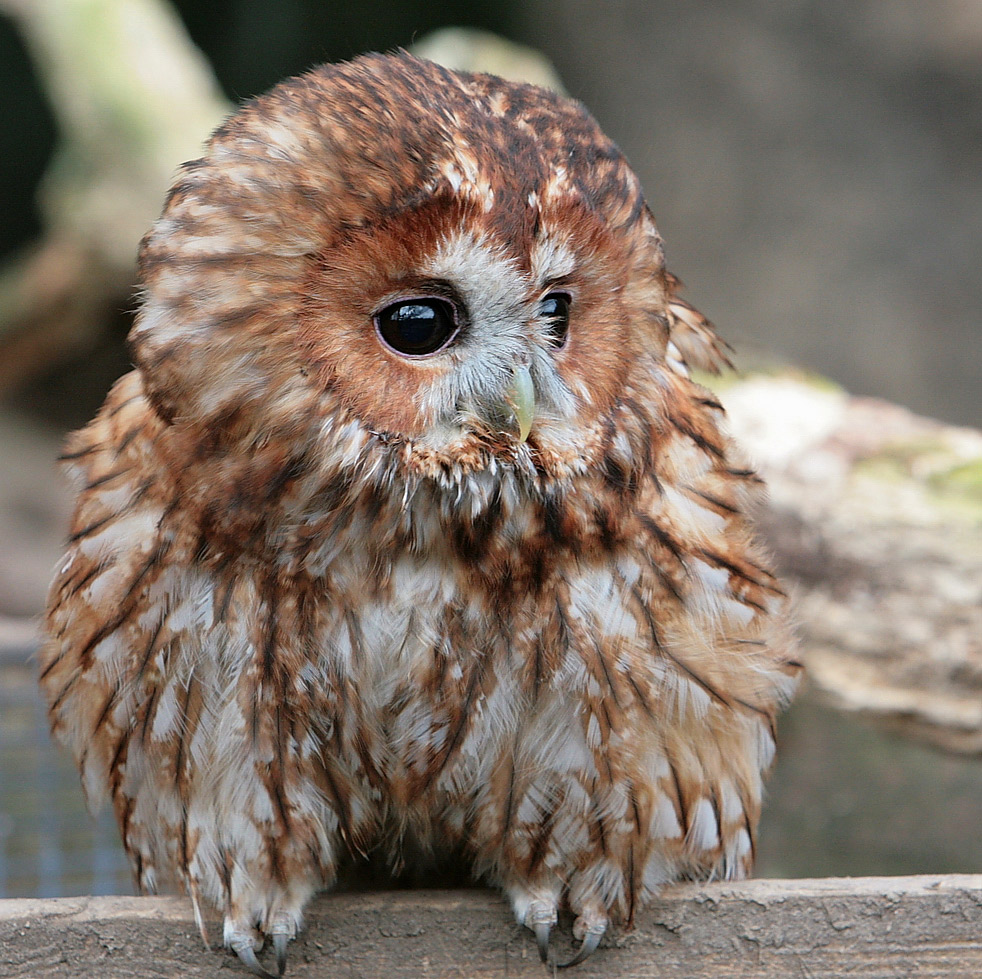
[875, 516]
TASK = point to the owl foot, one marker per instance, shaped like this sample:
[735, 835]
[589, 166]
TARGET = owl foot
[284, 930]
[538, 915]
[246, 941]
[589, 932]
[243, 942]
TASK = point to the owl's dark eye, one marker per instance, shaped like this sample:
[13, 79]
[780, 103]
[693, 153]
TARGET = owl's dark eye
[416, 327]
[555, 309]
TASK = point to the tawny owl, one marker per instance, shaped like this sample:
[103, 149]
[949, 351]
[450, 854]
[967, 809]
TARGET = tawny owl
[410, 532]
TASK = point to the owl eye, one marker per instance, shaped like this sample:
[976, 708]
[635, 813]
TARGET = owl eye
[416, 327]
[555, 309]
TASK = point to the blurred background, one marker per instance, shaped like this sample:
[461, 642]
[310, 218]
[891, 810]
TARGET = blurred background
[815, 167]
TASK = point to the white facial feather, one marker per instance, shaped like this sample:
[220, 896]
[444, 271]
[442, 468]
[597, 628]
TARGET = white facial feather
[501, 334]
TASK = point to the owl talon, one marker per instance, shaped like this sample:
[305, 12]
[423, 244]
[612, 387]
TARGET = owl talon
[542, 930]
[247, 956]
[280, 941]
[589, 945]
[539, 916]
[283, 931]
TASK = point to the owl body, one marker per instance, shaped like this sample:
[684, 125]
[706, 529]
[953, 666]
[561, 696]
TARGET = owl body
[331, 593]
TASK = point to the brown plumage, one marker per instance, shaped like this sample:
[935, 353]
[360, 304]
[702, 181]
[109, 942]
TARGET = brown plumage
[410, 532]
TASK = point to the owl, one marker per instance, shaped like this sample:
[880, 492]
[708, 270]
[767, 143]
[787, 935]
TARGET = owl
[410, 537]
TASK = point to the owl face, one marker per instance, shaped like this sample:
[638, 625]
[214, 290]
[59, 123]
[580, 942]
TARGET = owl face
[456, 264]
[479, 339]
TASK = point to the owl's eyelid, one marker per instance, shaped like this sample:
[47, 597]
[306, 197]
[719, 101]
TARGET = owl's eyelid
[558, 288]
[456, 306]
[426, 288]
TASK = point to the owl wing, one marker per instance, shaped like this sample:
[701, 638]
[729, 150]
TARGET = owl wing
[175, 676]
[694, 336]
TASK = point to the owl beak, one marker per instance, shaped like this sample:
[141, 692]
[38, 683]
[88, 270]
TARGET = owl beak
[520, 398]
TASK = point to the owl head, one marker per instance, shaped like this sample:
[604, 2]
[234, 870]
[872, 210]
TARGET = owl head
[387, 259]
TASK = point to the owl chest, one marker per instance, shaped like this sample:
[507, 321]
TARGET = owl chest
[414, 672]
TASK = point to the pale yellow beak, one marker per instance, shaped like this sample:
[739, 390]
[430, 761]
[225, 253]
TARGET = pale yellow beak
[520, 398]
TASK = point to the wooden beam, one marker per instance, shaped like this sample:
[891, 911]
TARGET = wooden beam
[875, 519]
[873, 926]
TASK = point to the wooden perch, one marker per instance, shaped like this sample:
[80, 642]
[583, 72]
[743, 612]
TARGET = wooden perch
[876, 516]
[873, 926]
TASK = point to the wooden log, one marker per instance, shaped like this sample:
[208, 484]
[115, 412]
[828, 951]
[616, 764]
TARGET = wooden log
[873, 926]
[875, 515]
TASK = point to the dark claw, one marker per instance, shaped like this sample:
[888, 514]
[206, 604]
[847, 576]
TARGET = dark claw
[590, 942]
[542, 929]
[248, 958]
[279, 945]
